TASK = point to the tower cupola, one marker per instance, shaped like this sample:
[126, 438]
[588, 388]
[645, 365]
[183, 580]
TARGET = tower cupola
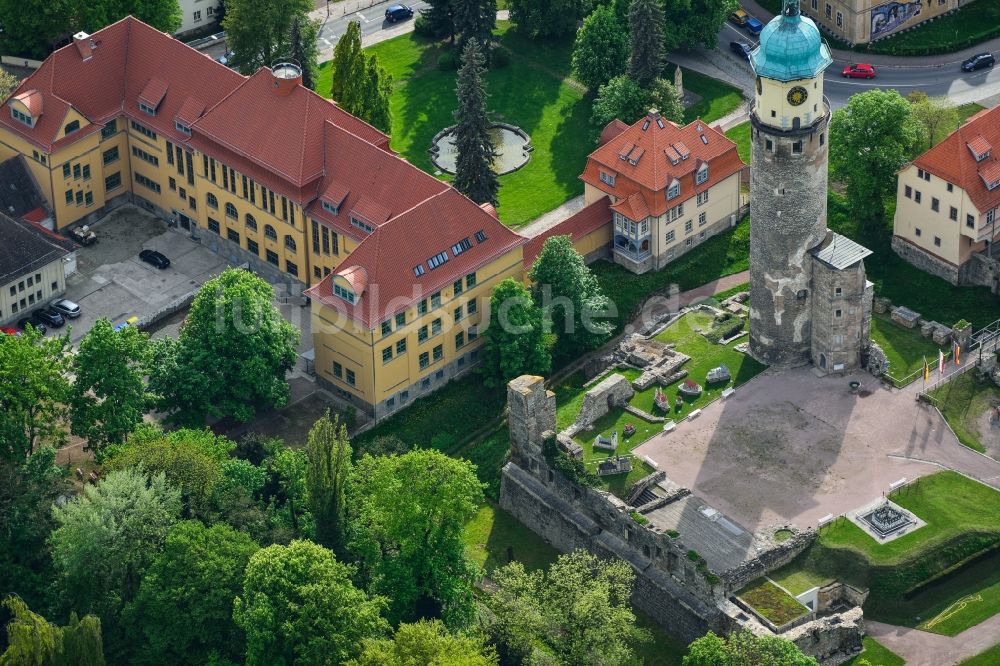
[790, 47]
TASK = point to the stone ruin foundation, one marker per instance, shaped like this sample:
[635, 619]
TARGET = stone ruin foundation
[687, 596]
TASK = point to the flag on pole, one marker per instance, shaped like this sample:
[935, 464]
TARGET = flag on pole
[941, 361]
[958, 355]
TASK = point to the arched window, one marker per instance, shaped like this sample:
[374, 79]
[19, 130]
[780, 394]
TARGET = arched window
[290, 243]
[251, 222]
[212, 201]
[231, 211]
[270, 232]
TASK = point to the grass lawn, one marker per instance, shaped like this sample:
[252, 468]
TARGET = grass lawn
[494, 533]
[771, 601]
[966, 111]
[950, 33]
[905, 348]
[718, 99]
[961, 600]
[963, 401]
[717, 257]
[989, 658]
[740, 135]
[613, 421]
[963, 523]
[663, 649]
[876, 654]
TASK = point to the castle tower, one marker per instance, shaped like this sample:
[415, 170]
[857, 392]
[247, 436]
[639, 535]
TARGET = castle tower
[788, 184]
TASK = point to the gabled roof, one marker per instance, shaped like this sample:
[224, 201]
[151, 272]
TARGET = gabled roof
[576, 226]
[611, 131]
[839, 252]
[26, 247]
[649, 155]
[153, 92]
[389, 254]
[954, 159]
[19, 193]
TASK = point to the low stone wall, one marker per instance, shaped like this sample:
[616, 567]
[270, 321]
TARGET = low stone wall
[832, 640]
[773, 558]
[612, 392]
[839, 593]
[924, 260]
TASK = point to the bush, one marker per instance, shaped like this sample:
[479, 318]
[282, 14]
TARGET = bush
[571, 468]
[725, 330]
[448, 62]
[499, 58]
[422, 27]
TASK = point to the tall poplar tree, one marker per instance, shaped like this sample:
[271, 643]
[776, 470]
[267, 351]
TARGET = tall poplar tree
[645, 20]
[329, 453]
[474, 175]
[360, 86]
[302, 47]
[347, 67]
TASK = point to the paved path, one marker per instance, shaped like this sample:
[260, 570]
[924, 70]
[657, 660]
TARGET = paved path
[922, 648]
[550, 219]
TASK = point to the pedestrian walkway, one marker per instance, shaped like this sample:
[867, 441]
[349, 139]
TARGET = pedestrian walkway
[922, 648]
[839, 55]
[550, 219]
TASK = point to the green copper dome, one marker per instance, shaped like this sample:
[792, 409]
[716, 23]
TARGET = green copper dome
[790, 47]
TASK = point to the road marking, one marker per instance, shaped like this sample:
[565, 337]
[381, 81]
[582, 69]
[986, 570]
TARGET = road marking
[361, 16]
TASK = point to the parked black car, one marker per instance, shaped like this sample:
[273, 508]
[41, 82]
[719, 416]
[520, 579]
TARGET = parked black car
[48, 317]
[742, 49]
[23, 324]
[66, 308]
[154, 258]
[398, 13]
[978, 61]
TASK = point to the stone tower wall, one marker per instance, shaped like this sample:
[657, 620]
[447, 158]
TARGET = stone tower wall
[788, 218]
[838, 341]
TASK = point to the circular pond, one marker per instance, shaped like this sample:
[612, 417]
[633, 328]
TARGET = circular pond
[512, 144]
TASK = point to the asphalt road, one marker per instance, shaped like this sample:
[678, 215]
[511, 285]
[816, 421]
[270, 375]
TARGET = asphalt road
[947, 79]
[372, 21]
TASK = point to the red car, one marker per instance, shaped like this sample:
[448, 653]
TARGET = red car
[7, 330]
[859, 71]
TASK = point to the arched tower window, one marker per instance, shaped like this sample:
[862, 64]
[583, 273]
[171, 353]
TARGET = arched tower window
[231, 211]
[211, 200]
[251, 222]
[270, 232]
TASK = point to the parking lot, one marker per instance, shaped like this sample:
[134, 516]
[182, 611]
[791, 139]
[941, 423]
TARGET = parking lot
[111, 280]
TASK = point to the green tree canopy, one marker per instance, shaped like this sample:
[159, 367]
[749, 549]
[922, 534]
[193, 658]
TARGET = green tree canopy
[645, 21]
[690, 23]
[183, 613]
[32, 640]
[303, 48]
[360, 85]
[33, 392]
[329, 453]
[570, 297]
[425, 643]
[164, 15]
[232, 354]
[474, 175]
[578, 611]
[745, 649]
[547, 18]
[259, 31]
[938, 116]
[408, 516]
[601, 50]
[474, 19]
[8, 83]
[106, 540]
[514, 342]
[298, 606]
[620, 98]
[870, 139]
[109, 395]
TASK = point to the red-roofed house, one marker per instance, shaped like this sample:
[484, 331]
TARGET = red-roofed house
[670, 187]
[947, 203]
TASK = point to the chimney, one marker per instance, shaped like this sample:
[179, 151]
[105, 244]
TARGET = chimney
[84, 45]
[287, 76]
[653, 114]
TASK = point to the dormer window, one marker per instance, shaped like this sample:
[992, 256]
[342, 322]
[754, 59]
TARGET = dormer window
[329, 207]
[480, 236]
[437, 260]
[702, 174]
[22, 117]
[980, 148]
[148, 110]
[461, 246]
[607, 178]
[674, 190]
[72, 127]
[182, 128]
[367, 228]
[344, 293]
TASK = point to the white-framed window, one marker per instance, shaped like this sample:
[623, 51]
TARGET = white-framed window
[840, 20]
[702, 197]
[607, 178]
[182, 128]
[674, 190]
[702, 174]
[147, 109]
[22, 117]
[197, 16]
[702, 219]
[344, 293]
[329, 207]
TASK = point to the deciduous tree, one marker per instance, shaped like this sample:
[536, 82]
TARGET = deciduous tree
[164, 15]
[514, 342]
[408, 515]
[298, 606]
[32, 640]
[620, 98]
[183, 613]
[474, 175]
[938, 117]
[109, 395]
[570, 297]
[8, 83]
[547, 18]
[689, 23]
[425, 642]
[645, 20]
[745, 649]
[232, 354]
[329, 453]
[303, 49]
[34, 391]
[578, 611]
[601, 50]
[870, 139]
[259, 31]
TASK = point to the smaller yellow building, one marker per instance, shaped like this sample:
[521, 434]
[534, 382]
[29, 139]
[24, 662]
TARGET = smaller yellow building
[32, 268]
[864, 21]
[947, 204]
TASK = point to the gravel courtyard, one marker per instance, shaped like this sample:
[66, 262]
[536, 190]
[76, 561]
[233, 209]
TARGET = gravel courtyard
[789, 447]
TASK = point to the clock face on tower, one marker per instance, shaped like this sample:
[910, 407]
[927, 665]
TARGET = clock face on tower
[797, 95]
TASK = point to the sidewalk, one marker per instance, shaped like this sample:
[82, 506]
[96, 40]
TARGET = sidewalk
[945, 59]
[922, 648]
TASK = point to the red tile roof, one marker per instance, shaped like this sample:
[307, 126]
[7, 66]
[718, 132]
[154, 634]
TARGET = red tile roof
[33, 100]
[575, 226]
[389, 254]
[153, 92]
[953, 159]
[611, 131]
[645, 158]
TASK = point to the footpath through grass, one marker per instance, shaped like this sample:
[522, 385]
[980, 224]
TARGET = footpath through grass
[876, 654]
[989, 658]
[965, 403]
[921, 573]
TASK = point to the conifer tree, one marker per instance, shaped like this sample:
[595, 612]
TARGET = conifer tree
[475, 19]
[302, 42]
[474, 175]
[645, 20]
[348, 67]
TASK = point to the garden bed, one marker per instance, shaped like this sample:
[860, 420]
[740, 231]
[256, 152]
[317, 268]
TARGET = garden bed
[771, 602]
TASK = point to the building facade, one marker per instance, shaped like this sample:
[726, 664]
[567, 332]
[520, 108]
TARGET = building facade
[864, 21]
[809, 298]
[198, 14]
[670, 187]
[947, 204]
[32, 268]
